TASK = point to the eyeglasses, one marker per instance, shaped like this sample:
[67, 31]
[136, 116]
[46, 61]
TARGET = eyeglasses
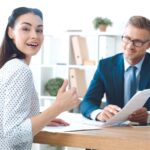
[137, 43]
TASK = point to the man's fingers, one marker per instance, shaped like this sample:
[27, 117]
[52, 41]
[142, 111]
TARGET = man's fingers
[105, 115]
[137, 116]
[140, 111]
[140, 116]
[113, 109]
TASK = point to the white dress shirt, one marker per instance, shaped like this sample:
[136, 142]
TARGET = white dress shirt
[18, 102]
[126, 66]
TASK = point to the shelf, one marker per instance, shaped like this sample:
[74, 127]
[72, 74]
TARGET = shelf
[56, 58]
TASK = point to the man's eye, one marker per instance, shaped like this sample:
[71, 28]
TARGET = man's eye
[138, 42]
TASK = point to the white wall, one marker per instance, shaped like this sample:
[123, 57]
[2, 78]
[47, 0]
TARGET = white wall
[61, 15]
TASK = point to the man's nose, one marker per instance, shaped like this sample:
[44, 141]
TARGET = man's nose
[130, 43]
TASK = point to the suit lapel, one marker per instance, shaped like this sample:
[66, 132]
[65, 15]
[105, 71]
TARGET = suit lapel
[118, 79]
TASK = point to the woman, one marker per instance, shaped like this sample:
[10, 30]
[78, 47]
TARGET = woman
[20, 119]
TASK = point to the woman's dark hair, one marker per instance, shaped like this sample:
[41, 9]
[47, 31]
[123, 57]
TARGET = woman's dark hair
[8, 50]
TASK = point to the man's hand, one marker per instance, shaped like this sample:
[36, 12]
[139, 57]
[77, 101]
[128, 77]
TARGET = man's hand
[139, 116]
[108, 112]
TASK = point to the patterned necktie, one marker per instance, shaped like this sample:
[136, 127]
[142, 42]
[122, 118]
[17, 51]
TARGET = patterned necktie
[132, 81]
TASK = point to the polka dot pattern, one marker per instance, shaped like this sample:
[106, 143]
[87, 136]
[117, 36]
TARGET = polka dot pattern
[18, 103]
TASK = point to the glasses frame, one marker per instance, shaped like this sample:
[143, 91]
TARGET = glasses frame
[136, 42]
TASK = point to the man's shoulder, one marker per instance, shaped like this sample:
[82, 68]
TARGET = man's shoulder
[148, 56]
[112, 59]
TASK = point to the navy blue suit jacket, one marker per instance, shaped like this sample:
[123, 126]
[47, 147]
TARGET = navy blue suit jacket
[109, 79]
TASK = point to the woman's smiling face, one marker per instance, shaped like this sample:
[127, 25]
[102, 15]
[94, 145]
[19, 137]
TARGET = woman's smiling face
[27, 34]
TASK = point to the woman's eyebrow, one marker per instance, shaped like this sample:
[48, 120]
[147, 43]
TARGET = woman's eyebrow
[27, 23]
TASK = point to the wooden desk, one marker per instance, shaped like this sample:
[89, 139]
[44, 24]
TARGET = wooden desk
[113, 138]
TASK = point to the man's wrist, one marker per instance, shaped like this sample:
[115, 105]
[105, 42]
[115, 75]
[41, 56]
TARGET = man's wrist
[95, 113]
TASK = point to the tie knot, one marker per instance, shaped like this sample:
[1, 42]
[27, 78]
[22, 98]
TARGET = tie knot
[133, 69]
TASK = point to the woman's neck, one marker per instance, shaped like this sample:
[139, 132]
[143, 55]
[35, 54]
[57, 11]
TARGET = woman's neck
[27, 60]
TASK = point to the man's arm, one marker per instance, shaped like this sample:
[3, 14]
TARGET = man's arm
[94, 94]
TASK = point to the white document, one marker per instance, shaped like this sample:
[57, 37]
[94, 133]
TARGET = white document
[135, 103]
[72, 127]
[77, 122]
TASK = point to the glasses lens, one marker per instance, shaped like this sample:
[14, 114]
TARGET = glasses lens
[126, 39]
[137, 43]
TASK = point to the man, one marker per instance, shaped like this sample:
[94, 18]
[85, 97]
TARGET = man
[111, 75]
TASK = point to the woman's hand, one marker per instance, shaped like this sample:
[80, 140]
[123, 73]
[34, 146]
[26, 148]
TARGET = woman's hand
[67, 100]
[57, 122]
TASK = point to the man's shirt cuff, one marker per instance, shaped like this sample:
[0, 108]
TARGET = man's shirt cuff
[95, 113]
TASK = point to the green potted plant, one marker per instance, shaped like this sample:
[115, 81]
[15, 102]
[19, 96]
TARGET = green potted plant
[52, 86]
[101, 23]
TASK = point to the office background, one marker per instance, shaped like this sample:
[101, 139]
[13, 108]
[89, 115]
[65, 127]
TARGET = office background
[63, 15]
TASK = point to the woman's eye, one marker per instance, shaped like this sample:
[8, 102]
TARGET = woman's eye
[39, 30]
[26, 29]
